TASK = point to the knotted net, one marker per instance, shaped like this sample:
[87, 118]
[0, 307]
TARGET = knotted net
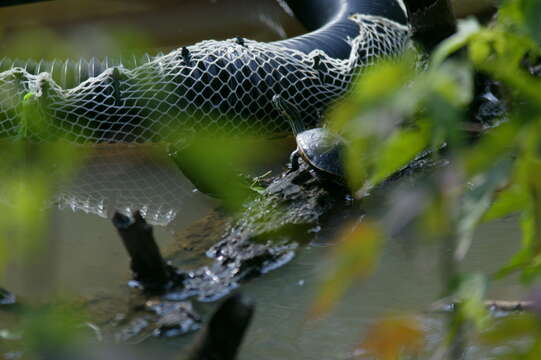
[213, 85]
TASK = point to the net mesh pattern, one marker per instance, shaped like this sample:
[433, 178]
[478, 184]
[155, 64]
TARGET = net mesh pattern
[213, 85]
[128, 178]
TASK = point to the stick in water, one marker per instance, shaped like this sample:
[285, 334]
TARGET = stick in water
[147, 264]
[223, 334]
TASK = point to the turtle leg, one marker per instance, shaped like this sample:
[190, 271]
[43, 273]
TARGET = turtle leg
[294, 161]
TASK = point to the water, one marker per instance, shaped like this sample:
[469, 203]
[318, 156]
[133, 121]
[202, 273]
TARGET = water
[84, 257]
[406, 280]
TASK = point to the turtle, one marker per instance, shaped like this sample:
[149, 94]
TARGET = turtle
[319, 147]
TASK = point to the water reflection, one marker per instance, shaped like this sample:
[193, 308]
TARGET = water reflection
[128, 178]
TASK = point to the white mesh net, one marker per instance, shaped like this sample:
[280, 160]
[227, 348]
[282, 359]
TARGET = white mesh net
[213, 85]
[129, 178]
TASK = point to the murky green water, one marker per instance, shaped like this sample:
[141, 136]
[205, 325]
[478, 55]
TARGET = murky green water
[84, 256]
[82, 253]
[124, 178]
[406, 280]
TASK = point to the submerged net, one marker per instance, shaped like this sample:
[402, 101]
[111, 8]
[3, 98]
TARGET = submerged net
[213, 85]
[129, 178]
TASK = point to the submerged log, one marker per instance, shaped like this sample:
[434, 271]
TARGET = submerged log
[149, 268]
[223, 334]
[264, 235]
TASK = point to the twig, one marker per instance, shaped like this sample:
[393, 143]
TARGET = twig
[492, 305]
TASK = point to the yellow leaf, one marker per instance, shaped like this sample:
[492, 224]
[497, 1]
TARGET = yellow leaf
[391, 337]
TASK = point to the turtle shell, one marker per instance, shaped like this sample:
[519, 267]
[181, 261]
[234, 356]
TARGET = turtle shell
[322, 149]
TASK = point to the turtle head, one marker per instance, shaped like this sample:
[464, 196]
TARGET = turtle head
[290, 112]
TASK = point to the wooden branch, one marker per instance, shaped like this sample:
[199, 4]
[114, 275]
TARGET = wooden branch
[147, 264]
[508, 306]
[492, 305]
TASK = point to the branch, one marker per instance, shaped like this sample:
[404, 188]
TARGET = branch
[147, 264]
[492, 305]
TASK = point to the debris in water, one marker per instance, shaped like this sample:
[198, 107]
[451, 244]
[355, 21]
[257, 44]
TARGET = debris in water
[175, 318]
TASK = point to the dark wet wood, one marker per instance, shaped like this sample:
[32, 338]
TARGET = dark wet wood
[18, 2]
[432, 21]
[147, 264]
[264, 234]
[223, 335]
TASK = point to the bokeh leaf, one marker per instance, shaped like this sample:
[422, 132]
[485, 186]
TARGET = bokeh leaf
[508, 201]
[470, 294]
[519, 326]
[394, 337]
[398, 150]
[355, 256]
[466, 30]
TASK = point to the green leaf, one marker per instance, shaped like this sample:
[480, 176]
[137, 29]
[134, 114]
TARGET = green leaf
[466, 30]
[521, 259]
[523, 14]
[398, 150]
[508, 201]
[470, 294]
[519, 326]
[476, 201]
[495, 144]
[216, 165]
[376, 88]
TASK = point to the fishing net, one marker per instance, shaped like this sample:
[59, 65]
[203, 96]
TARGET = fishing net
[213, 85]
[129, 178]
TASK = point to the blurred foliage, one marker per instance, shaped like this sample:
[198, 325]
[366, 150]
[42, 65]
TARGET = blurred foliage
[30, 173]
[43, 43]
[356, 256]
[403, 107]
[224, 166]
[394, 337]
[46, 331]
